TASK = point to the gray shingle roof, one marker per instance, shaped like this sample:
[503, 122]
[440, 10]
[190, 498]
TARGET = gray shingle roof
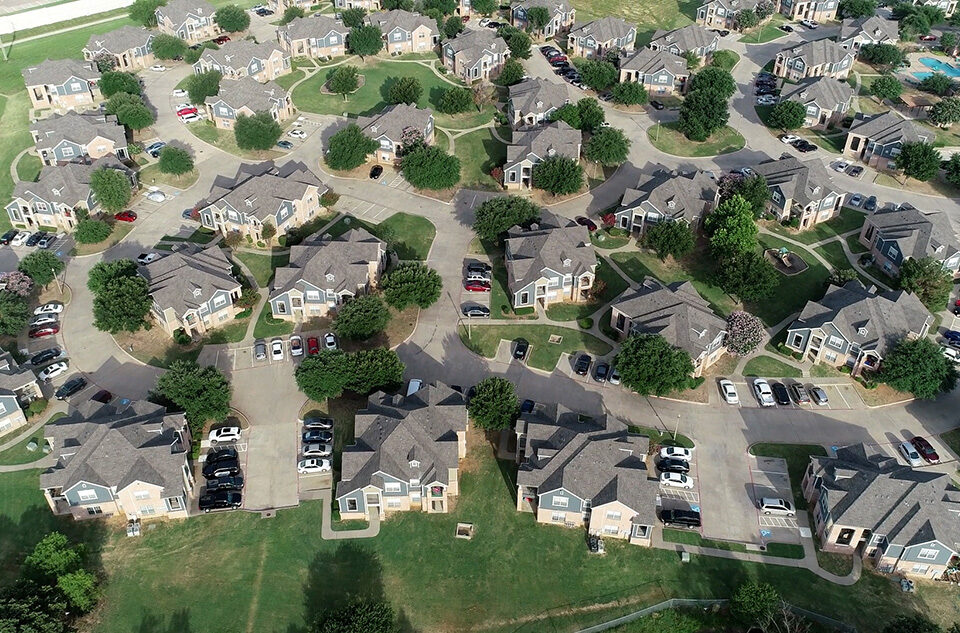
[537, 95]
[734, 5]
[394, 431]
[346, 257]
[596, 459]
[250, 93]
[556, 138]
[179, 10]
[68, 184]
[551, 244]
[386, 21]
[12, 376]
[554, 6]
[604, 29]
[187, 279]
[676, 195]
[871, 321]
[107, 446]
[239, 53]
[58, 71]
[802, 181]
[647, 62]
[394, 120]
[676, 312]
[119, 40]
[828, 93]
[885, 128]
[687, 38]
[917, 234]
[259, 189]
[817, 52]
[80, 128]
[874, 27]
[469, 47]
[313, 26]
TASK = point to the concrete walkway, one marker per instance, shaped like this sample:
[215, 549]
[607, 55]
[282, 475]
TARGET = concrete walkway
[327, 532]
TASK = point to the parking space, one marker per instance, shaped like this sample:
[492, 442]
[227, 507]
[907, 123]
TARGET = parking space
[839, 396]
[230, 359]
[364, 210]
[675, 498]
[769, 479]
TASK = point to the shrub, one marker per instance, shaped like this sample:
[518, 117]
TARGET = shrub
[180, 337]
[91, 231]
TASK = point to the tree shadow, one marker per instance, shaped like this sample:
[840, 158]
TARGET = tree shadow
[178, 622]
[385, 87]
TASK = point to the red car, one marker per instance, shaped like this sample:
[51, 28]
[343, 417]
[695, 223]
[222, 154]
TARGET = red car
[587, 222]
[928, 38]
[313, 346]
[476, 286]
[46, 330]
[125, 216]
[557, 58]
[223, 39]
[186, 111]
[926, 451]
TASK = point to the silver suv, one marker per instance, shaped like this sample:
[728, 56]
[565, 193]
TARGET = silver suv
[770, 505]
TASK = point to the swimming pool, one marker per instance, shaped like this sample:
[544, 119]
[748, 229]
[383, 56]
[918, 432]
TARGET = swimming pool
[940, 67]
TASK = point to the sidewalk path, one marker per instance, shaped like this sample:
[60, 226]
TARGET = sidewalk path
[327, 532]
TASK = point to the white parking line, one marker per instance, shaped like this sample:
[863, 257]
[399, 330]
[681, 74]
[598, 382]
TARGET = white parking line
[778, 522]
[842, 397]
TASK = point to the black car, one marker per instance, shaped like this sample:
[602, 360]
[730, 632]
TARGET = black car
[102, 396]
[805, 147]
[786, 28]
[780, 394]
[479, 267]
[548, 50]
[225, 483]
[600, 372]
[855, 171]
[222, 455]
[673, 465]
[683, 518]
[222, 500]
[762, 90]
[226, 468]
[476, 312]
[493, 25]
[35, 238]
[583, 364]
[656, 105]
[316, 435]
[560, 63]
[870, 204]
[45, 356]
[7, 237]
[70, 387]
[520, 351]
[324, 424]
[527, 406]
[376, 171]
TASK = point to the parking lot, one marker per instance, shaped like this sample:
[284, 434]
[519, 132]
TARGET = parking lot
[839, 396]
[770, 479]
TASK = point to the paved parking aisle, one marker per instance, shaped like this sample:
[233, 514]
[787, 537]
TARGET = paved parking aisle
[370, 211]
[724, 486]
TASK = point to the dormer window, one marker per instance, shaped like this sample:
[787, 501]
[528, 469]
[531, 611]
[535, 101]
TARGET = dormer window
[671, 204]
[862, 331]
[415, 463]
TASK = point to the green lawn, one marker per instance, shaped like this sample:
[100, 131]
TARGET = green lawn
[615, 285]
[267, 327]
[856, 247]
[289, 79]
[734, 59]
[479, 152]
[662, 438]
[833, 253]
[797, 457]
[411, 236]
[232, 332]
[952, 440]
[484, 340]
[19, 454]
[609, 238]
[794, 291]
[151, 175]
[14, 137]
[848, 220]
[766, 32]
[667, 139]
[768, 366]
[689, 537]
[262, 266]
[648, 16]
[28, 167]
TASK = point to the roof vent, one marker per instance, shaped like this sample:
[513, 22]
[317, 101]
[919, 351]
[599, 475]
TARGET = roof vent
[551, 152]
[567, 262]
[249, 201]
[330, 277]
[197, 292]
[227, 58]
[803, 94]
[99, 43]
[373, 128]
[862, 331]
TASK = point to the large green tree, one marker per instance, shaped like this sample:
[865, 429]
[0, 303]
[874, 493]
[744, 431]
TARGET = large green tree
[714, 79]
[349, 148]
[292, 13]
[591, 114]
[495, 216]
[452, 27]
[946, 111]
[14, 313]
[202, 392]
[167, 47]
[952, 170]
[122, 305]
[788, 115]
[917, 366]
[362, 317]
[405, 90]
[494, 406]
[569, 114]
[105, 272]
[607, 146]
[886, 87]
[430, 167]
[929, 280]
[731, 228]
[702, 113]
[517, 41]
[112, 188]
[670, 239]
[114, 81]
[370, 370]
[856, 8]
[232, 18]
[353, 17]
[455, 100]
[629, 93]
[748, 276]
[91, 231]
[130, 110]
[559, 175]
[175, 161]
[365, 40]
[937, 83]
[883, 56]
[344, 80]
[753, 189]
[511, 73]
[202, 85]
[358, 616]
[920, 160]
[411, 283]
[323, 375]
[538, 17]
[258, 132]
[597, 74]
[486, 7]
[755, 602]
[41, 266]
[143, 12]
[650, 365]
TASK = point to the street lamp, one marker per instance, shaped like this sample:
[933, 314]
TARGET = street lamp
[59, 287]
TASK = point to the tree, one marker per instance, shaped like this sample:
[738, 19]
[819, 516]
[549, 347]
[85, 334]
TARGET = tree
[670, 239]
[80, 588]
[486, 7]
[648, 364]
[175, 160]
[15, 282]
[203, 85]
[259, 131]
[370, 370]
[268, 231]
[90, 231]
[629, 93]
[365, 40]
[953, 170]
[946, 111]
[130, 110]
[714, 79]
[113, 82]
[788, 115]
[362, 317]
[517, 41]
[14, 313]
[591, 114]
[747, 19]
[405, 90]
[358, 616]
[886, 87]
[929, 280]
[445, 7]
[693, 60]
[431, 168]
[745, 332]
[569, 114]
[41, 266]
[105, 272]
[511, 73]
[353, 17]
[607, 146]
[202, 392]
[753, 189]
[856, 8]
[494, 406]
[495, 216]
[292, 13]
[919, 160]
[323, 375]
[52, 556]
[949, 42]
[913, 623]
[702, 113]
[538, 17]
[731, 228]
[411, 283]
[937, 83]
[917, 366]
[105, 62]
[349, 148]
[232, 18]
[143, 12]
[840, 276]
[411, 139]
[560, 175]
[748, 276]
[455, 100]
[122, 305]
[344, 80]
[598, 75]
[452, 27]
[884, 56]
[112, 188]
[754, 602]
[166, 47]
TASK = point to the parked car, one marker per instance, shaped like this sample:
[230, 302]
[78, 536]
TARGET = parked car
[185, 110]
[260, 349]
[220, 455]
[910, 454]
[313, 465]
[676, 452]
[102, 396]
[221, 500]
[789, 138]
[560, 63]
[479, 267]
[154, 148]
[21, 239]
[45, 356]
[34, 239]
[220, 41]
[870, 204]
[766, 100]
[43, 319]
[761, 388]
[7, 237]
[478, 276]
[317, 450]
[587, 222]
[324, 424]
[781, 507]
[682, 518]
[126, 216]
[72, 386]
[805, 146]
[484, 21]
[841, 166]
[330, 341]
[47, 240]
[527, 406]
[676, 480]
[313, 346]
[786, 28]
[819, 396]
[46, 330]
[925, 449]
[276, 349]
[158, 68]
[224, 435]
[582, 365]
[284, 144]
[52, 307]
[296, 345]
[52, 371]
[780, 394]
[225, 483]
[729, 392]
[810, 24]
[928, 38]
[950, 353]
[656, 105]
[476, 286]
[855, 200]
[600, 372]
[190, 118]
[317, 435]
[376, 171]
[520, 349]
[855, 171]
[799, 394]
[952, 335]
[297, 133]
[145, 258]
[476, 312]
[673, 465]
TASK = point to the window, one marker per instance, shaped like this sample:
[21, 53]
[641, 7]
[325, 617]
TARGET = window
[610, 529]
[830, 356]
[219, 301]
[561, 502]
[920, 569]
[558, 517]
[396, 37]
[928, 554]
[140, 495]
[87, 495]
[147, 510]
[67, 151]
[524, 298]
[93, 510]
[391, 486]
[313, 295]
[351, 505]
[76, 87]
[835, 342]
[281, 307]
[393, 503]
[797, 341]
[662, 79]
[613, 515]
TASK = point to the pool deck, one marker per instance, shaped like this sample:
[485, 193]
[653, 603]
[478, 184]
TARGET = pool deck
[918, 70]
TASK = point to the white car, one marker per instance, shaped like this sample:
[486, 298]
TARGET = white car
[313, 465]
[766, 100]
[676, 480]
[296, 345]
[145, 258]
[43, 319]
[729, 391]
[841, 166]
[158, 68]
[771, 505]
[316, 449]
[155, 195]
[855, 200]
[950, 354]
[190, 118]
[180, 92]
[276, 349]
[226, 434]
[909, 453]
[54, 307]
[787, 139]
[52, 371]
[810, 24]
[330, 341]
[20, 239]
[763, 392]
[297, 134]
[484, 21]
[676, 452]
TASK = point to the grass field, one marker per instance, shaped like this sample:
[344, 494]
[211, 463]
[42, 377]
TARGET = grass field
[484, 340]
[267, 327]
[151, 175]
[19, 454]
[667, 139]
[479, 152]
[411, 236]
[648, 16]
[615, 285]
[28, 167]
[289, 79]
[262, 266]
[224, 139]
[848, 220]
[766, 32]
[794, 291]
[770, 367]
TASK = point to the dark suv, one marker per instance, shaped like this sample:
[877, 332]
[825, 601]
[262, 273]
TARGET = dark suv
[583, 365]
[520, 351]
[223, 500]
[223, 463]
[8, 236]
[225, 483]
[683, 518]
[70, 387]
